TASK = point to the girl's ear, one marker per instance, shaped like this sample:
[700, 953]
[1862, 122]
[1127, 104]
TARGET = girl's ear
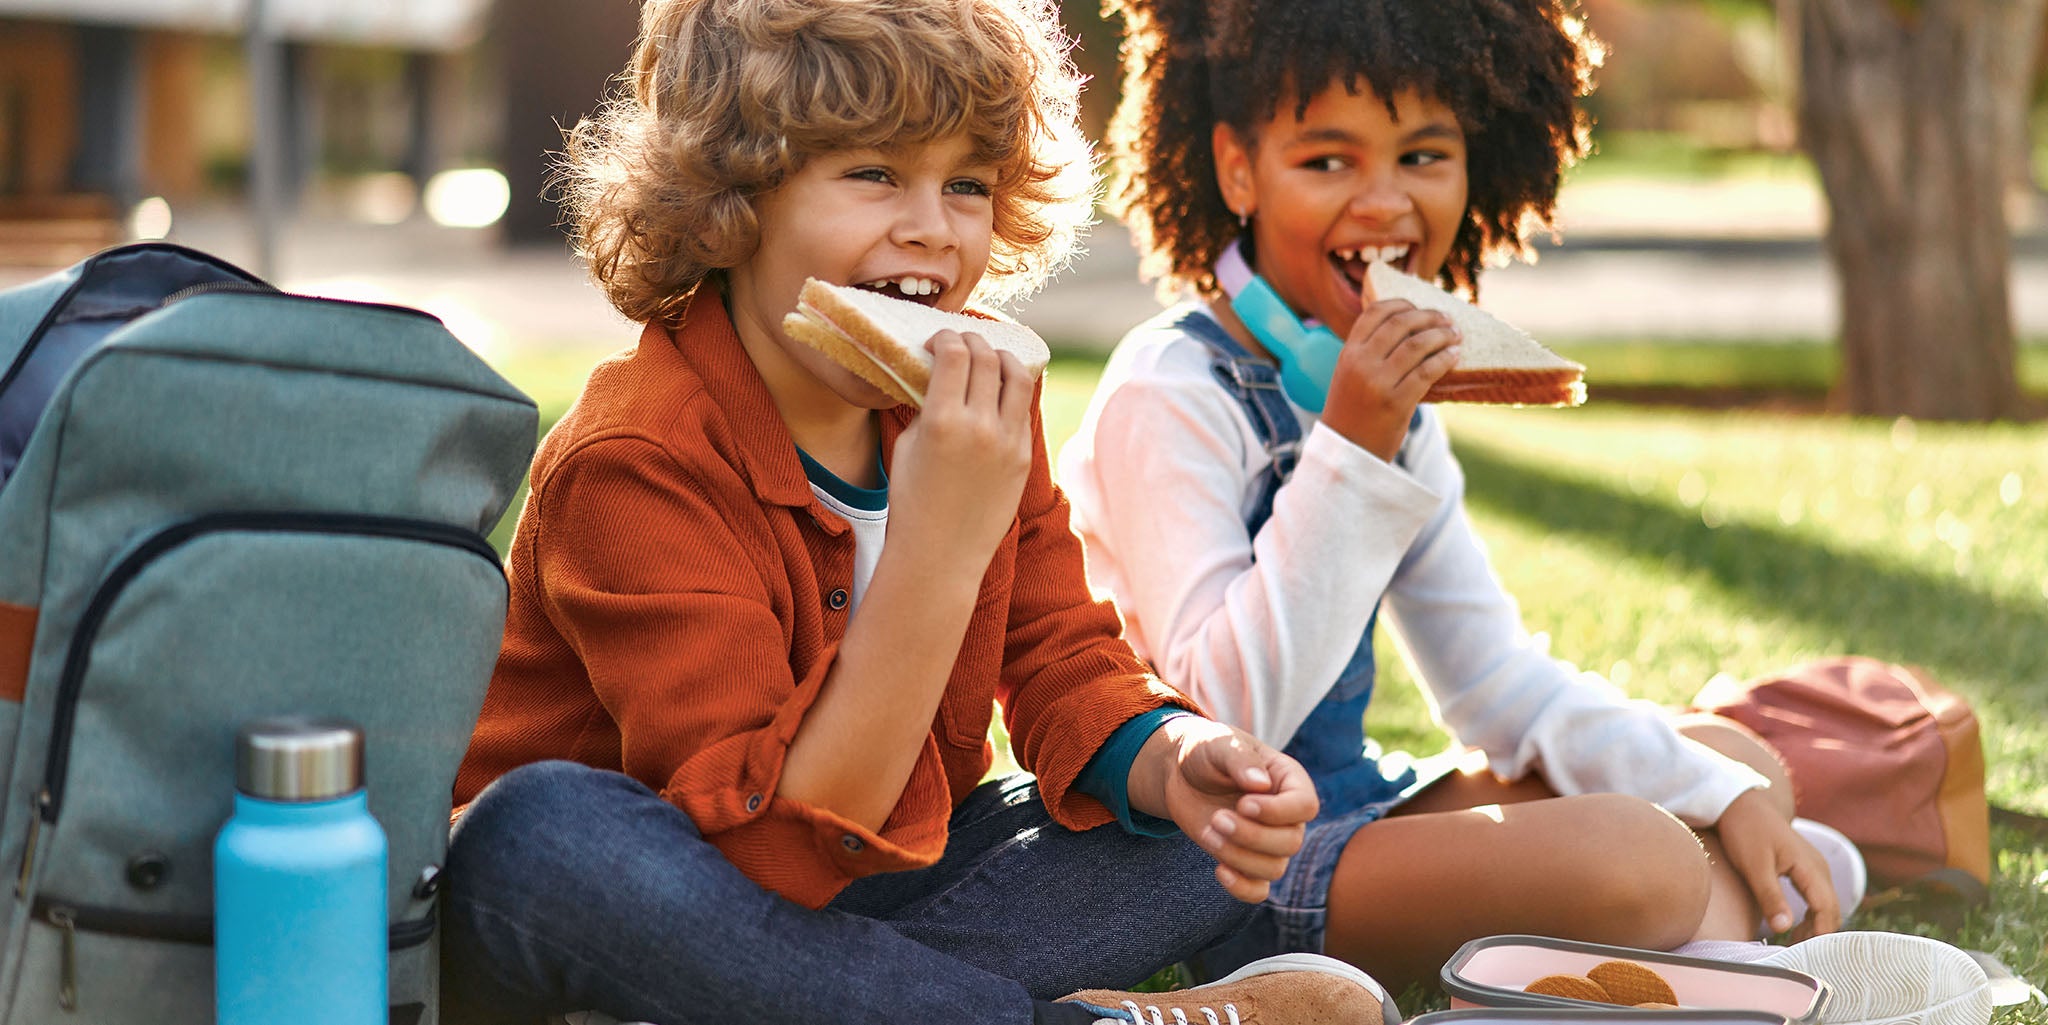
[1233, 170]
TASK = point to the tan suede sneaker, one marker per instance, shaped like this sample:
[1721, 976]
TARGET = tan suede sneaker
[1291, 989]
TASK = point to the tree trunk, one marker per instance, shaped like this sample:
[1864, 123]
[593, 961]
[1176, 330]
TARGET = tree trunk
[1906, 108]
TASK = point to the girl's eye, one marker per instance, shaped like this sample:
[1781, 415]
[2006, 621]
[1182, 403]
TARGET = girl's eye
[1327, 163]
[969, 187]
[1424, 158]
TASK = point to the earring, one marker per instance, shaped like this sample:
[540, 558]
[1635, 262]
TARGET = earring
[1244, 220]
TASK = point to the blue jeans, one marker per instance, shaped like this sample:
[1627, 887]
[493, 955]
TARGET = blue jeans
[573, 888]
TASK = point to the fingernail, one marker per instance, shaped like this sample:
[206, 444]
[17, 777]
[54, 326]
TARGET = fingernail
[1259, 778]
[1251, 808]
[1781, 921]
[1211, 839]
[1224, 823]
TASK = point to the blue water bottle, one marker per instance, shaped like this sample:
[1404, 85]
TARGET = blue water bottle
[298, 882]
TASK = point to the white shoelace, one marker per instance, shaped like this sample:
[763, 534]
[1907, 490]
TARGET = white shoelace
[1180, 1017]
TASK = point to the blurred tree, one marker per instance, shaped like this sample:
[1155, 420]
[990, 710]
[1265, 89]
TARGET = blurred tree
[1912, 110]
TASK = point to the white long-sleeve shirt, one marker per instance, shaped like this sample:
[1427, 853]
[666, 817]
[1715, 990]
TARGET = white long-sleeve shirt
[1162, 474]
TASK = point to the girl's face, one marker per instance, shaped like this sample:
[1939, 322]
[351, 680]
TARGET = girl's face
[1329, 190]
[913, 223]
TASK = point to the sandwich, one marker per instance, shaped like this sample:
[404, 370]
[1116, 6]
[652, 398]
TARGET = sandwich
[881, 338]
[1499, 363]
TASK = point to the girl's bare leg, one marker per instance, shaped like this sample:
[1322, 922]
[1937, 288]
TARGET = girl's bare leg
[1474, 856]
[1607, 868]
[1732, 912]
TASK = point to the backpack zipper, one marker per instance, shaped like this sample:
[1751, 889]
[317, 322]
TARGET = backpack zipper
[85, 273]
[78, 658]
[191, 929]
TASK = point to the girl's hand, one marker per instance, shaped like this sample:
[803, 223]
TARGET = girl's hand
[960, 467]
[1240, 800]
[1392, 356]
[1762, 846]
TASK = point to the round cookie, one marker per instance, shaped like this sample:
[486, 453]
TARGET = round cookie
[1577, 987]
[1630, 983]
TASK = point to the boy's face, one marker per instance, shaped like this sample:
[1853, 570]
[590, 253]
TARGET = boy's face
[913, 223]
[1328, 188]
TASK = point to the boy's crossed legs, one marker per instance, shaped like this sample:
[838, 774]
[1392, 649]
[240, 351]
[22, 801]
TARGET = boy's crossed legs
[573, 888]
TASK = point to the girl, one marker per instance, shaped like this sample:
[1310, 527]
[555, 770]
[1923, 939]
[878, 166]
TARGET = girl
[1249, 523]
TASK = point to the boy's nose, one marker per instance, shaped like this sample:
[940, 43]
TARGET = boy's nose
[922, 221]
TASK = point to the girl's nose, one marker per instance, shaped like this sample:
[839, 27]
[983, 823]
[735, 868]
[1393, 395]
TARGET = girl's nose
[1379, 198]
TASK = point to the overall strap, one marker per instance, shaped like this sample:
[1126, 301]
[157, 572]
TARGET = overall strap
[1255, 384]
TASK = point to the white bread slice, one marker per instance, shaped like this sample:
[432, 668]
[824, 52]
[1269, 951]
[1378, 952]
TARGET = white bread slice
[882, 338]
[1500, 363]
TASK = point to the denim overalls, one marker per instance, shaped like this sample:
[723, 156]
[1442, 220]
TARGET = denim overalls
[1331, 744]
[1354, 787]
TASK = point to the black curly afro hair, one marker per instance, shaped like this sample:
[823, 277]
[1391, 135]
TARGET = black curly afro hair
[1512, 71]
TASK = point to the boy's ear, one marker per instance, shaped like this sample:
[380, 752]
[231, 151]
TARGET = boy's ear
[1233, 169]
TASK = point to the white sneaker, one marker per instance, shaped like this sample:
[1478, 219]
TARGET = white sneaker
[1290, 989]
[1845, 866]
[1889, 978]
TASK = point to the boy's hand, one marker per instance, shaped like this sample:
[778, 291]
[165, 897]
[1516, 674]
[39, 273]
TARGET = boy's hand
[1240, 800]
[960, 468]
[1392, 356]
[1762, 846]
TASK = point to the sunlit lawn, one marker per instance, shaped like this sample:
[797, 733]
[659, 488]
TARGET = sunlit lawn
[1663, 546]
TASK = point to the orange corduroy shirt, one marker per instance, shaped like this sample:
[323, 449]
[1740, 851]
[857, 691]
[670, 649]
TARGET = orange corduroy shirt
[678, 594]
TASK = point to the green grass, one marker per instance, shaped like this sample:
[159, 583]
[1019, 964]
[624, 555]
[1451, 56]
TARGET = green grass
[1675, 156]
[1798, 365]
[1663, 546]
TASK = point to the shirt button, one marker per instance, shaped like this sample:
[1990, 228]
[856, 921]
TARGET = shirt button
[837, 599]
[851, 843]
[753, 802]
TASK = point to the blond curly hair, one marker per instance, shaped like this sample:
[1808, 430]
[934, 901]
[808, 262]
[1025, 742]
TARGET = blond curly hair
[724, 99]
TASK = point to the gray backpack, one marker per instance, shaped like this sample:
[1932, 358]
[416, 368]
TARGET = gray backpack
[220, 502]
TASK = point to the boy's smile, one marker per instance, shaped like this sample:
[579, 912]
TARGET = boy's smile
[914, 223]
[1342, 185]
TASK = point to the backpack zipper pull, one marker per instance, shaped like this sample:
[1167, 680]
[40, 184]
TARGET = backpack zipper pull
[28, 849]
[67, 972]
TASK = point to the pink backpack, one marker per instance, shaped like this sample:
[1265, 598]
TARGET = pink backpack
[1884, 754]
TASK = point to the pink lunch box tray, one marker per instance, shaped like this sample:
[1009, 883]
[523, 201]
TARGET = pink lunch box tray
[1610, 1016]
[1490, 973]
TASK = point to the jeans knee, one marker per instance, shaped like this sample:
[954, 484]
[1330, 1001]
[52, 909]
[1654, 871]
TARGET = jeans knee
[511, 833]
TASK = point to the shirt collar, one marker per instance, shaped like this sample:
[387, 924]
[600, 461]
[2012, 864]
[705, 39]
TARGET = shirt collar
[708, 345]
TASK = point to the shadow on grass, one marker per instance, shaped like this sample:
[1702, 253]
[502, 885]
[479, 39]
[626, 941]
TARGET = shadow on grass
[1866, 604]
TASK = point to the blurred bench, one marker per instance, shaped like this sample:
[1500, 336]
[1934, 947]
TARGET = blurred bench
[57, 230]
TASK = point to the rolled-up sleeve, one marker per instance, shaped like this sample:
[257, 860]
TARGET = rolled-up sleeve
[686, 653]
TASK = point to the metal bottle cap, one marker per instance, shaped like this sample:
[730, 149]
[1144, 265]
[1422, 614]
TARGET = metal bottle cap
[297, 758]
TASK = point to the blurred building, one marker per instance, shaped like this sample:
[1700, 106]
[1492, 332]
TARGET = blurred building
[105, 102]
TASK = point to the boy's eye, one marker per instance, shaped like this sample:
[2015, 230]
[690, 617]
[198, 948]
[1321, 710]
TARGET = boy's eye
[870, 174]
[969, 187]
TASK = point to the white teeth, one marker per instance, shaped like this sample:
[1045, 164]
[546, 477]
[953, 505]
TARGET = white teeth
[1375, 254]
[917, 286]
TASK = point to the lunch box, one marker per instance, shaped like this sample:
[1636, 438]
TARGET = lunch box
[1610, 1016]
[1490, 973]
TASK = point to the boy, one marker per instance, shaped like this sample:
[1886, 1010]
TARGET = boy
[729, 765]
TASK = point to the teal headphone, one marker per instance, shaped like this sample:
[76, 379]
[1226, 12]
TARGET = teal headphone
[1307, 351]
